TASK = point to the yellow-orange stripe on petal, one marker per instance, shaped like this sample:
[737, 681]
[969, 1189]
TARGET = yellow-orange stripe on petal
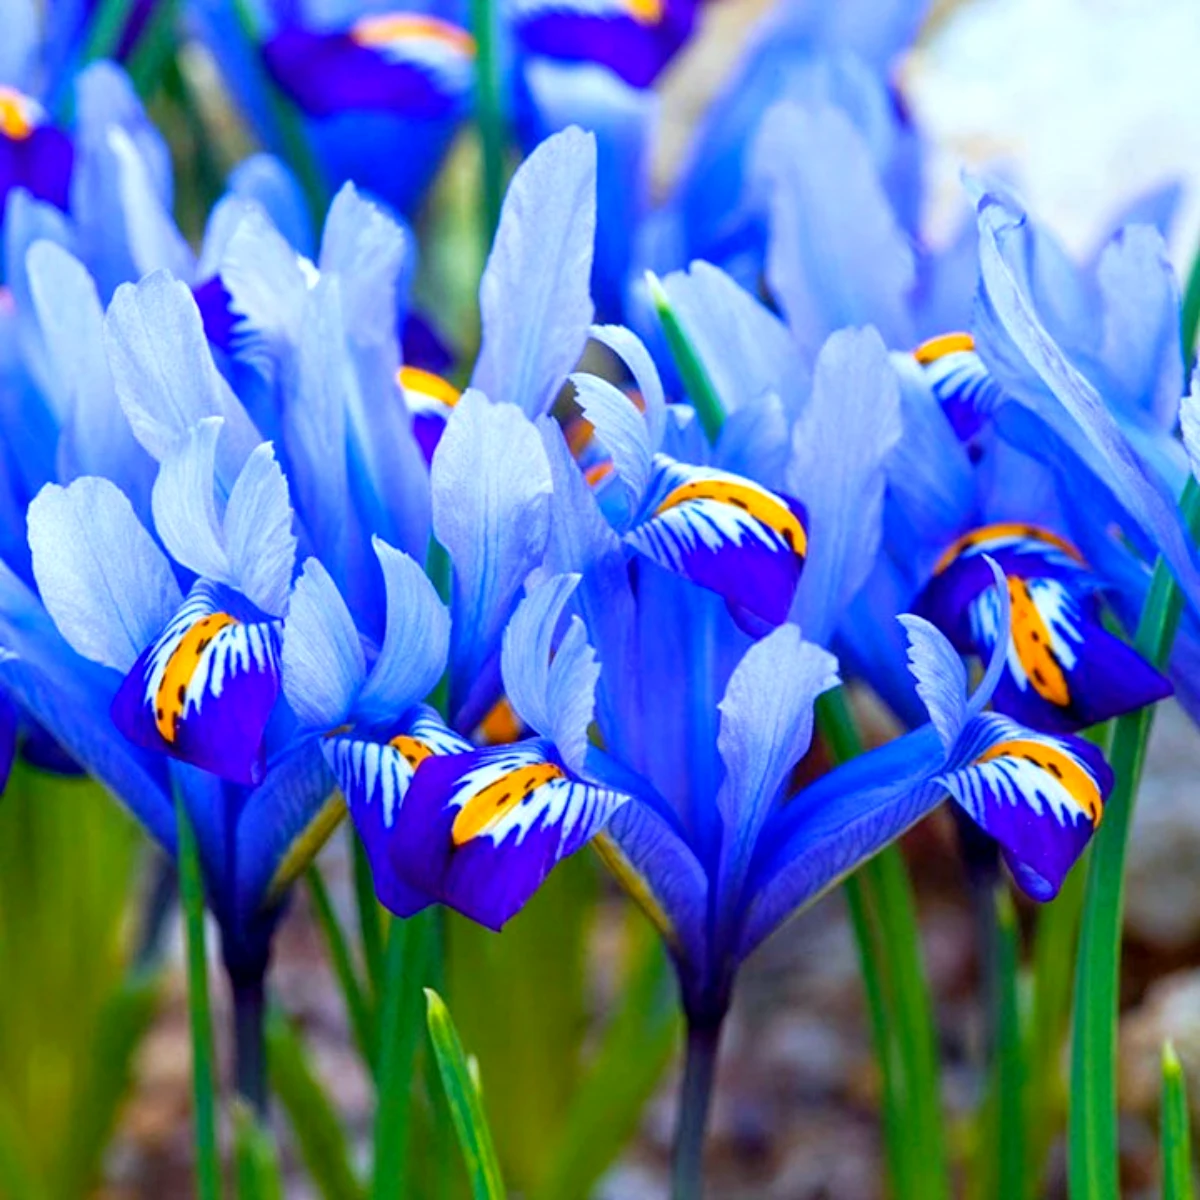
[18, 114]
[385, 28]
[1078, 783]
[1032, 640]
[979, 538]
[171, 697]
[418, 385]
[412, 750]
[762, 506]
[493, 802]
[938, 347]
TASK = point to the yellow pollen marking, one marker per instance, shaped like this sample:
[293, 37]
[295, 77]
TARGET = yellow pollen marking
[16, 121]
[938, 347]
[1032, 641]
[501, 726]
[1056, 762]
[395, 27]
[181, 666]
[413, 750]
[645, 12]
[496, 800]
[598, 474]
[414, 379]
[1000, 532]
[771, 512]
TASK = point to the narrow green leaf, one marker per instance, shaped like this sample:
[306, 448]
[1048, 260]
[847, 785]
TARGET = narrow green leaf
[1008, 1070]
[314, 1120]
[362, 1021]
[204, 1086]
[1176, 1133]
[255, 1159]
[490, 116]
[154, 47]
[635, 1050]
[104, 32]
[466, 1102]
[410, 944]
[696, 380]
[370, 926]
[883, 912]
[1092, 1143]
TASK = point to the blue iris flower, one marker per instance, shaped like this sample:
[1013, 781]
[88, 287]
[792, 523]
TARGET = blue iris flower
[381, 93]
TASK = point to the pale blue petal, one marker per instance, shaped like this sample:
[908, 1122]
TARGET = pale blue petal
[621, 428]
[415, 646]
[164, 373]
[836, 254]
[534, 298]
[491, 511]
[582, 542]
[323, 663]
[941, 677]
[555, 696]
[1002, 616]
[267, 290]
[1073, 409]
[631, 350]
[746, 349]
[267, 181]
[372, 255]
[96, 438]
[754, 441]
[766, 727]
[20, 44]
[1189, 424]
[258, 532]
[841, 445]
[185, 506]
[1141, 349]
[101, 576]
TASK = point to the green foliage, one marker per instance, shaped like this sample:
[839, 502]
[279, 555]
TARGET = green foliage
[255, 1158]
[1176, 1134]
[70, 1015]
[465, 1094]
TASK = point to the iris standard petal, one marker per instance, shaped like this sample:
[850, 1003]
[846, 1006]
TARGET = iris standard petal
[204, 689]
[482, 830]
[101, 576]
[534, 299]
[555, 696]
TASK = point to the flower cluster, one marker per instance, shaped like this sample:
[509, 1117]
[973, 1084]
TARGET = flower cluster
[261, 552]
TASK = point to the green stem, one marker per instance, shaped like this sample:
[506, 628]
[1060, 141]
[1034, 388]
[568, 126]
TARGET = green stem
[370, 927]
[104, 33]
[400, 1027]
[696, 379]
[191, 893]
[695, 1099]
[1009, 1067]
[153, 48]
[1093, 1155]
[882, 897]
[361, 1018]
[1176, 1135]
[1190, 320]
[489, 114]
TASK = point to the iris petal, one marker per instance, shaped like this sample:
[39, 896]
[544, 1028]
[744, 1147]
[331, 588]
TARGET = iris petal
[727, 534]
[1040, 797]
[204, 690]
[482, 830]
